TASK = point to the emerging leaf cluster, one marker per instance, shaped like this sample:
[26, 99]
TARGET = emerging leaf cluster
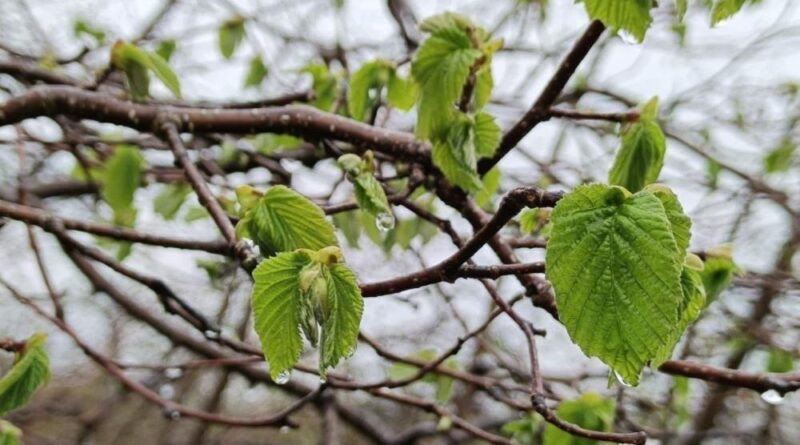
[137, 64]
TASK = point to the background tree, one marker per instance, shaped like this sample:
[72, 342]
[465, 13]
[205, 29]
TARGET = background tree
[400, 222]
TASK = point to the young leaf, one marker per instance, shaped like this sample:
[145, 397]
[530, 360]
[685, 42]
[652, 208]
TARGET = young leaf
[325, 86]
[694, 300]
[641, 155]
[123, 174]
[284, 220]
[162, 70]
[170, 200]
[231, 34]
[632, 16]
[614, 264]
[256, 73]
[524, 431]
[779, 360]
[780, 158]
[365, 87]
[717, 275]
[276, 309]
[491, 183]
[487, 134]
[724, 9]
[166, 48]
[680, 223]
[401, 93]
[590, 411]
[441, 67]
[136, 64]
[82, 27]
[30, 371]
[484, 83]
[342, 316]
[370, 195]
[9, 434]
[456, 156]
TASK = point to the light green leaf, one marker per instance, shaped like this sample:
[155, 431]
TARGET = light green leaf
[170, 200]
[487, 134]
[641, 155]
[9, 434]
[694, 300]
[342, 316]
[123, 174]
[196, 213]
[524, 431]
[256, 73]
[401, 93]
[230, 35]
[166, 48]
[717, 275]
[276, 309]
[491, 183]
[780, 158]
[456, 156]
[267, 143]
[484, 83]
[30, 371]
[590, 411]
[724, 9]
[365, 87]
[82, 27]
[162, 70]
[680, 223]
[284, 220]
[441, 67]
[349, 224]
[370, 195]
[779, 360]
[615, 268]
[632, 16]
[680, 9]
[325, 86]
[136, 62]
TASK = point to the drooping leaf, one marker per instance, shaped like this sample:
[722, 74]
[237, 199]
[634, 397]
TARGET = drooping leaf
[276, 309]
[9, 434]
[487, 134]
[694, 300]
[342, 316]
[170, 200]
[456, 156]
[325, 86]
[441, 67]
[365, 87]
[780, 158]
[370, 195]
[284, 220]
[30, 371]
[590, 411]
[641, 155]
[123, 174]
[724, 9]
[680, 223]
[230, 35]
[256, 73]
[162, 70]
[632, 16]
[136, 63]
[615, 267]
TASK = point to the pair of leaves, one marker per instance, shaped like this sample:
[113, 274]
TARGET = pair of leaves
[304, 285]
[230, 36]
[616, 262]
[284, 301]
[370, 80]
[457, 52]
[641, 156]
[30, 371]
[137, 64]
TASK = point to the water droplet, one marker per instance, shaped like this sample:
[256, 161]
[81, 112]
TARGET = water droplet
[166, 391]
[285, 118]
[172, 414]
[211, 335]
[173, 373]
[628, 37]
[772, 397]
[323, 379]
[283, 377]
[621, 381]
[284, 429]
[384, 221]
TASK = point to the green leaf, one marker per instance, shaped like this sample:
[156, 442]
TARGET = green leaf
[82, 27]
[441, 67]
[295, 292]
[284, 220]
[268, 143]
[680, 9]
[170, 200]
[325, 86]
[136, 62]
[9, 434]
[491, 183]
[641, 155]
[231, 34]
[401, 93]
[484, 83]
[694, 300]
[614, 264]
[256, 73]
[523, 430]
[779, 360]
[196, 213]
[30, 371]
[680, 223]
[632, 16]
[123, 174]
[166, 48]
[456, 156]
[590, 411]
[276, 310]
[342, 317]
[724, 9]
[717, 275]
[780, 158]
[162, 70]
[365, 87]
[348, 223]
[370, 195]
[487, 135]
